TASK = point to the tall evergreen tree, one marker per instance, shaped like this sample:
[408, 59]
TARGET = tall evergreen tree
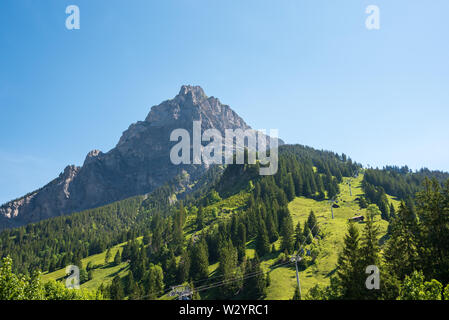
[228, 269]
[184, 267]
[241, 242]
[299, 239]
[370, 249]
[262, 241]
[255, 283]
[401, 250]
[313, 224]
[290, 187]
[108, 256]
[117, 258]
[172, 270]
[350, 271]
[432, 207]
[370, 253]
[130, 283]
[287, 241]
[199, 261]
[307, 235]
[116, 291]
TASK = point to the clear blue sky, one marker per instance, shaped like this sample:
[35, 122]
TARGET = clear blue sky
[308, 68]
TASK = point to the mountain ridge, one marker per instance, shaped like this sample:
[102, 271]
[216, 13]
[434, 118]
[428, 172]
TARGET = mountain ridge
[138, 164]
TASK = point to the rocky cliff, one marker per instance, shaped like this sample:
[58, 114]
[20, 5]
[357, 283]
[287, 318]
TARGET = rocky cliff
[138, 164]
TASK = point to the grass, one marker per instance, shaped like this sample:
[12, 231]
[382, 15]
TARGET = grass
[101, 272]
[283, 279]
[224, 210]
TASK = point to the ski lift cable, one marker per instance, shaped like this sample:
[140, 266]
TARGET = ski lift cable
[247, 276]
[244, 277]
[217, 284]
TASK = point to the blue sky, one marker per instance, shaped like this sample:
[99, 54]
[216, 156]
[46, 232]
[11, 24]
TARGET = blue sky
[308, 68]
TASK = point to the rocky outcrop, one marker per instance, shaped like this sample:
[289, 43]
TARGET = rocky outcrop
[138, 164]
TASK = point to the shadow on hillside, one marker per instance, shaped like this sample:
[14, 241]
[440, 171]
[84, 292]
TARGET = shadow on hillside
[330, 274]
[383, 239]
[112, 275]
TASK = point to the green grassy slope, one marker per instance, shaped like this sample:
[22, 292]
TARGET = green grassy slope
[101, 272]
[283, 279]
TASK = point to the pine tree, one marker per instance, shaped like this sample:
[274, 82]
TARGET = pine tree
[307, 235]
[307, 189]
[108, 256]
[401, 250]
[370, 252]
[117, 258]
[320, 186]
[153, 281]
[184, 267]
[313, 224]
[392, 211]
[290, 188]
[156, 239]
[228, 269]
[370, 249]
[255, 284]
[287, 241]
[339, 176]
[298, 236]
[384, 208]
[83, 276]
[432, 208]
[271, 229]
[116, 291]
[363, 203]
[172, 270]
[130, 283]
[297, 180]
[262, 242]
[199, 261]
[104, 291]
[241, 243]
[350, 272]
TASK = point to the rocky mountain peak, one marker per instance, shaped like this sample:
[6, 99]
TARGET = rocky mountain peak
[196, 93]
[138, 164]
[92, 155]
[189, 105]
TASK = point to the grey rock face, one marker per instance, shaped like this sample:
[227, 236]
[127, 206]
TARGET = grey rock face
[138, 164]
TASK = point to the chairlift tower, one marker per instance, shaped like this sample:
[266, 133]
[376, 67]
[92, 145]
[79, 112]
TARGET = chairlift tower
[349, 184]
[296, 259]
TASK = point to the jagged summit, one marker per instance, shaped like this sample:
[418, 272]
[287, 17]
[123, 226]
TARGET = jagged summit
[92, 155]
[137, 165]
[192, 91]
[193, 104]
